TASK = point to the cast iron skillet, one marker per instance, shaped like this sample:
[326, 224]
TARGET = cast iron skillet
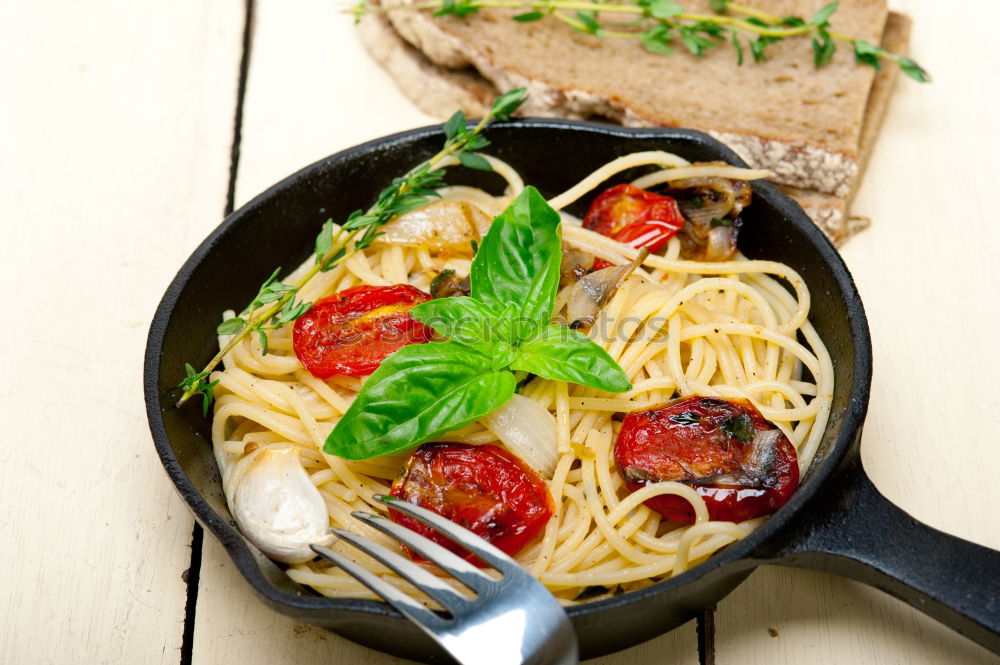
[836, 522]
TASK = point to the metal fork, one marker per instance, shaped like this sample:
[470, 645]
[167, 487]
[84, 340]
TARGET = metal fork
[511, 621]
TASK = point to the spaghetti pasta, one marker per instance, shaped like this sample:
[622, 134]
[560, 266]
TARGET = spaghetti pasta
[676, 327]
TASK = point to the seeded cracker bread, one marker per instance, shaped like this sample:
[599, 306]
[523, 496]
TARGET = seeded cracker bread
[440, 89]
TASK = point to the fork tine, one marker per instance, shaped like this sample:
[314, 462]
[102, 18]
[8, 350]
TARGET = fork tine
[420, 615]
[429, 583]
[447, 561]
[470, 541]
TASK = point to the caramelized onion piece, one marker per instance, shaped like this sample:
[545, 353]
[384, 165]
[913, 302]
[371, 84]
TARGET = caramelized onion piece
[595, 290]
[447, 284]
[444, 225]
[575, 264]
[711, 207]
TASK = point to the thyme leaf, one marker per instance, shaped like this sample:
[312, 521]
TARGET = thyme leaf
[195, 383]
[657, 22]
[739, 427]
[275, 305]
[686, 418]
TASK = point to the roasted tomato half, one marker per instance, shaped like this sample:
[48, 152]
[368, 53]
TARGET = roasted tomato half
[740, 463]
[354, 330]
[634, 217]
[486, 489]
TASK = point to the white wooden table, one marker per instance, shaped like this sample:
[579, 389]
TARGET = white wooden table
[116, 132]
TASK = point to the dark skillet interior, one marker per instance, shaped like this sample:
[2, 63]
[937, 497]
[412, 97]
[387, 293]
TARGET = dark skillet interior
[278, 228]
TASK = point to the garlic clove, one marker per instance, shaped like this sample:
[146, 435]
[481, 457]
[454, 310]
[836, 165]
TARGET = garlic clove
[276, 506]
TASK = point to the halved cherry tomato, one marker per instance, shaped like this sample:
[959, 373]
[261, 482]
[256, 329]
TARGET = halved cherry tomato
[740, 463]
[486, 489]
[354, 330]
[634, 217]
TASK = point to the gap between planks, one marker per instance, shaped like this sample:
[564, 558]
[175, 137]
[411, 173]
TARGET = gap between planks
[193, 576]
[705, 627]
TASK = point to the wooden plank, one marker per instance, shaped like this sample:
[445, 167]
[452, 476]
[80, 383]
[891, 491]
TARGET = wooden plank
[235, 628]
[115, 126]
[926, 270]
[313, 91]
[337, 98]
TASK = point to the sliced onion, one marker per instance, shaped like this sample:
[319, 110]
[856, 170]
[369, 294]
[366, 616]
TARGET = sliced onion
[276, 506]
[443, 225]
[528, 430]
[762, 454]
[721, 243]
[757, 465]
[595, 290]
[575, 264]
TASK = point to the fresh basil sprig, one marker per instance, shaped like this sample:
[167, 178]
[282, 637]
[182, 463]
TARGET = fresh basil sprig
[504, 325]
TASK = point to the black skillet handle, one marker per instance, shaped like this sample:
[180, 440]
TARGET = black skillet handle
[851, 530]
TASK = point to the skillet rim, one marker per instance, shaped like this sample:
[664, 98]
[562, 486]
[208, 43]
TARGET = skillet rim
[244, 558]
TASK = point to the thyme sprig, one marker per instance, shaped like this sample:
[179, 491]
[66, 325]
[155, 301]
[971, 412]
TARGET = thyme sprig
[275, 303]
[660, 24]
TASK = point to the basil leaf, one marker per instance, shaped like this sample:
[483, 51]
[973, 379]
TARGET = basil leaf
[518, 261]
[462, 319]
[562, 354]
[417, 393]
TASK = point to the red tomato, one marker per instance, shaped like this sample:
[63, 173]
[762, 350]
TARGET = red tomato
[634, 217]
[742, 465]
[486, 489]
[354, 330]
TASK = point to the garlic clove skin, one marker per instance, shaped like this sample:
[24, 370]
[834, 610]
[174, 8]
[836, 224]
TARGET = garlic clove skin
[276, 506]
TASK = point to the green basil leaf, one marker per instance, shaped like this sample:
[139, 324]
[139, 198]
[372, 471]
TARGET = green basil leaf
[563, 354]
[518, 260]
[416, 394]
[462, 319]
